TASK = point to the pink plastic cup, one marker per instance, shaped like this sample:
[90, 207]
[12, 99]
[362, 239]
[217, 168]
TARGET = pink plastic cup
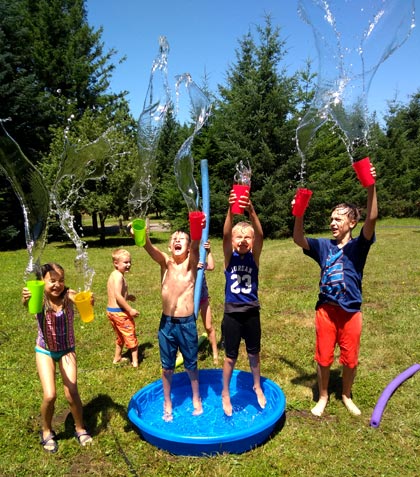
[196, 219]
[239, 190]
[362, 169]
[302, 198]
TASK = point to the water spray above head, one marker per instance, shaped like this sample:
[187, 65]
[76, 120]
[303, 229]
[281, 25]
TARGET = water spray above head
[149, 127]
[348, 61]
[199, 108]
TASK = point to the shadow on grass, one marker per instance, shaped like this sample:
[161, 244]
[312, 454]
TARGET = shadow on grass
[97, 415]
[142, 348]
[310, 380]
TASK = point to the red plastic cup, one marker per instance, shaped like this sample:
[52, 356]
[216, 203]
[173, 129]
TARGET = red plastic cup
[239, 191]
[196, 219]
[302, 198]
[362, 169]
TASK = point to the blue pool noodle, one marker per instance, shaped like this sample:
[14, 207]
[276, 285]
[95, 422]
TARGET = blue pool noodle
[205, 191]
[388, 392]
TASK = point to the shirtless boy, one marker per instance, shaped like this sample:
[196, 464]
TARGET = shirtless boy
[119, 311]
[178, 329]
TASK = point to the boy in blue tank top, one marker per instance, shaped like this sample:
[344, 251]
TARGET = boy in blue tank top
[338, 319]
[242, 245]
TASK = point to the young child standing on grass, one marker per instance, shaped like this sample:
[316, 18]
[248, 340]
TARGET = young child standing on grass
[119, 312]
[242, 245]
[338, 318]
[178, 327]
[55, 343]
[205, 309]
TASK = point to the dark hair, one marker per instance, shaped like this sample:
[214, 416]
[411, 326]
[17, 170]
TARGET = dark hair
[181, 231]
[53, 267]
[353, 212]
[49, 267]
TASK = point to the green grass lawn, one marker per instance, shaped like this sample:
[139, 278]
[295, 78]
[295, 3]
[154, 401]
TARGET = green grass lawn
[337, 444]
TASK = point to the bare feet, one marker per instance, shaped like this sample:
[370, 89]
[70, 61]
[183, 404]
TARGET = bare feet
[120, 361]
[351, 407]
[135, 365]
[227, 405]
[320, 406]
[198, 407]
[167, 412]
[262, 401]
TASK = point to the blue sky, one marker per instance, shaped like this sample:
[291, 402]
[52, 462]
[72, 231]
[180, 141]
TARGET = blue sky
[203, 36]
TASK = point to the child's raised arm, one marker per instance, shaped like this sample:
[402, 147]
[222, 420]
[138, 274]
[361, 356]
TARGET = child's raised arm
[371, 210]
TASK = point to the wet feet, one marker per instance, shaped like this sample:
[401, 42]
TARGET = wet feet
[262, 401]
[227, 405]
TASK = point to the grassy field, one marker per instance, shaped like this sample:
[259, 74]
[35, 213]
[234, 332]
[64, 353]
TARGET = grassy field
[337, 444]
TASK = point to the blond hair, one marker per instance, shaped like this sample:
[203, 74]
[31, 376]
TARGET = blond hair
[118, 253]
[242, 226]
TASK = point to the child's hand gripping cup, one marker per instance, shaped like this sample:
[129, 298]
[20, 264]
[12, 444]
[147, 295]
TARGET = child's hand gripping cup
[36, 301]
[362, 169]
[239, 189]
[302, 198]
[139, 230]
[196, 228]
[83, 301]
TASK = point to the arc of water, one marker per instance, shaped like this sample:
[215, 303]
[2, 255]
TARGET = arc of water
[184, 163]
[28, 185]
[348, 61]
[149, 127]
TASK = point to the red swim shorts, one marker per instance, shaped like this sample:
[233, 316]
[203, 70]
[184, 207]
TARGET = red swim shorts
[336, 326]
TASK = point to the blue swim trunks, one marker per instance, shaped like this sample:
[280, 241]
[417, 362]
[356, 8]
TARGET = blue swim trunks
[178, 333]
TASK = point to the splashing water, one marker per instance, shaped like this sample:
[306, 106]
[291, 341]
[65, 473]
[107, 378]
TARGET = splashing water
[150, 124]
[200, 107]
[348, 61]
[28, 185]
[242, 174]
[79, 164]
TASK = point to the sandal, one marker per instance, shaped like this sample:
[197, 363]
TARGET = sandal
[83, 437]
[49, 443]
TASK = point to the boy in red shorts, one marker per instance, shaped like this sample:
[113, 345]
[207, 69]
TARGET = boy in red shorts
[338, 318]
[119, 312]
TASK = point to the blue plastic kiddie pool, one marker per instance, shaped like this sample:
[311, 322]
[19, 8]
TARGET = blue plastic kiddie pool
[212, 432]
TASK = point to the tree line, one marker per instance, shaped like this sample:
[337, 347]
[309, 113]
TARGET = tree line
[55, 77]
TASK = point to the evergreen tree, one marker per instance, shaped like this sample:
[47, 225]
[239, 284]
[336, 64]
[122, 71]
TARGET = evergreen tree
[254, 122]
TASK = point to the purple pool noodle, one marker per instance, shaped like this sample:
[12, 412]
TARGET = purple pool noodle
[388, 391]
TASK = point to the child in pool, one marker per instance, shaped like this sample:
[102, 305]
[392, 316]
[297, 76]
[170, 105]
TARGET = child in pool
[242, 246]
